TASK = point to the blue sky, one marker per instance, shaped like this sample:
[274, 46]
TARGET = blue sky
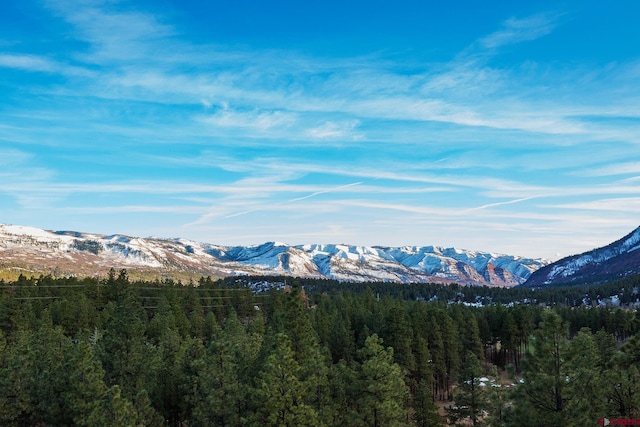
[501, 126]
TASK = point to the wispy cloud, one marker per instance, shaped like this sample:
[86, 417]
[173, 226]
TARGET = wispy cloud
[13, 158]
[275, 89]
[110, 26]
[361, 89]
[259, 120]
[625, 168]
[516, 30]
[345, 130]
[249, 205]
[27, 62]
[134, 115]
[36, 63]
[127, 209]
[621, 204]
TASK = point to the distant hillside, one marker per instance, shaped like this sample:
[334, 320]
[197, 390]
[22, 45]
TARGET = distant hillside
[614, 261]
[34, 250]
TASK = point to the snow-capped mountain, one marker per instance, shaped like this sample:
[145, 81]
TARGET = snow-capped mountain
[67, 252]
[614, 261]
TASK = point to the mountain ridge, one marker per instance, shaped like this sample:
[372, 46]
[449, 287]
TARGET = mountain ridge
[613, 261]
[80, 253]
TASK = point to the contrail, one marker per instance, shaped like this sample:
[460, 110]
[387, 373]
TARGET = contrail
[322, 192]
[297, 199]
[509, 202]
[240, 213]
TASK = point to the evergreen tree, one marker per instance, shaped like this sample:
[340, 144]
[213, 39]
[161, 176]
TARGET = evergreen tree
[425, 410]
[127, 356]
[222, 390]
[543, 397]
[166, 392]
[623, 380]
[49, 380]
[343, 394]
[498, 400]
[452, 350]
[297, 326]
[470, 399]
[437, 351]
[382, 391]
[281, 392]
[586, 381]
[397, 333]
[342, 342]
[471, 337]
[510, 341]
[218, 394]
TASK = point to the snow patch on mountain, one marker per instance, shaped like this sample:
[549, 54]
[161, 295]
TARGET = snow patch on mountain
[615, 260]
[343, 262]
[598, 256]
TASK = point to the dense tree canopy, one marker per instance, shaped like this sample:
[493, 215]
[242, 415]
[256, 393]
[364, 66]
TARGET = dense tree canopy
[118, 352]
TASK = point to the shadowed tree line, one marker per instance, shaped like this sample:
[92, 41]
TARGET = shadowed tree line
[118, 352]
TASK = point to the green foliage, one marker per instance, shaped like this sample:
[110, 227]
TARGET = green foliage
[383, 392]
[425, 410]
[563, 379]
[48, 379]
[91, 246]
[623, 380]
[117, 351]
[281, 390]
[546, 376]
[470, 399]
[498, 399]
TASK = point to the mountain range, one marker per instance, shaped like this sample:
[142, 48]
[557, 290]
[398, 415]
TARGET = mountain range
[36, 251]
[614, 261]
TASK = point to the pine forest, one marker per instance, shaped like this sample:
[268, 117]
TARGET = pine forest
[114, 351]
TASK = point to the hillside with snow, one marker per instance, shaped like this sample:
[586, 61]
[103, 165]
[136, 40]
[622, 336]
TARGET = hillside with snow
[614, 261]
[33, 250]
